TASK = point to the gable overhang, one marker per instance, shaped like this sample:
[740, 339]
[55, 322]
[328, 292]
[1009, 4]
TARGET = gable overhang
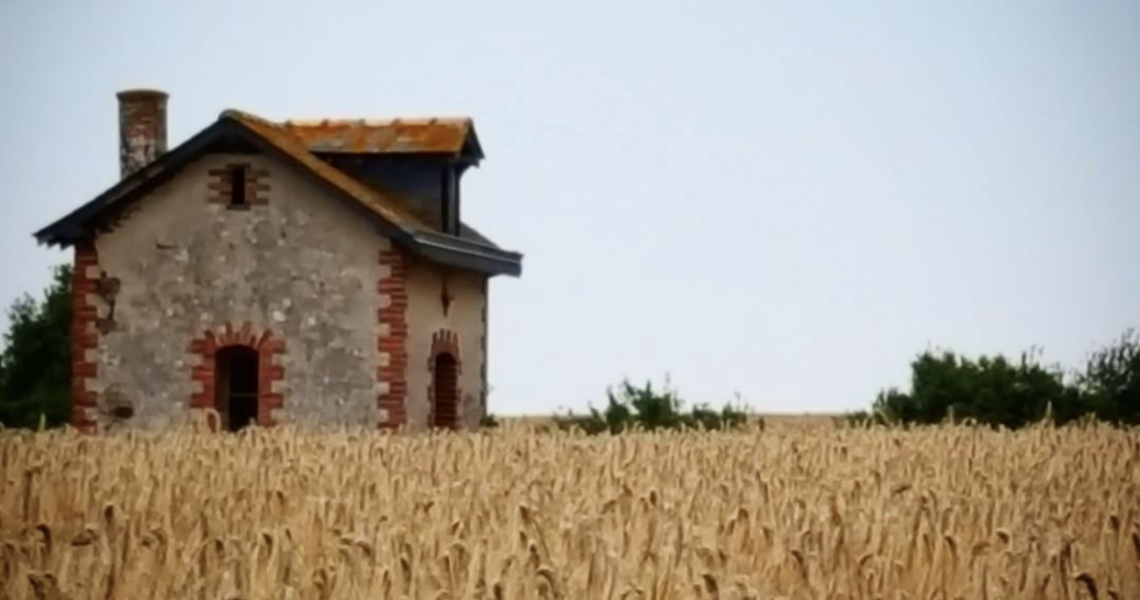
[472, 150]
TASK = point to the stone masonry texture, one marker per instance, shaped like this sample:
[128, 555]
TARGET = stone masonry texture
[346, 315]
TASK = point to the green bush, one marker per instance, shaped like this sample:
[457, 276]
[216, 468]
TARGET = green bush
[990, 390]
[996, 391]
[35, 363]
[630, 407]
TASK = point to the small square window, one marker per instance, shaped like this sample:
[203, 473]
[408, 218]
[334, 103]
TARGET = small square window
[238, 186]
[237, 176]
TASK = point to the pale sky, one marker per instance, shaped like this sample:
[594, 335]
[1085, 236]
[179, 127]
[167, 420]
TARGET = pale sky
[785, 200]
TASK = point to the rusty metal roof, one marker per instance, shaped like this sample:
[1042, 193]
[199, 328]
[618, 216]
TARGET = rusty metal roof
[369, 136]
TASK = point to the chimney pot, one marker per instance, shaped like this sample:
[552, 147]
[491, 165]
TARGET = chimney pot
[142, 128]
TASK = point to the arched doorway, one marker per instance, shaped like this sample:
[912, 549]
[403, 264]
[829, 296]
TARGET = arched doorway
[236, 387]
[445, 392]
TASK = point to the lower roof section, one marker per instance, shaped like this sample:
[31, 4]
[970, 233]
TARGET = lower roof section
[466, 254]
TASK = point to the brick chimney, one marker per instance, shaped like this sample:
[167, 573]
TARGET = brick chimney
[142, 128]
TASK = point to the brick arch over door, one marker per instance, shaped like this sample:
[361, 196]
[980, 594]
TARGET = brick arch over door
[267, 347]
[444, 364]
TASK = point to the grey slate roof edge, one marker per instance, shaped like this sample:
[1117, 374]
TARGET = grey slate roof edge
[468, 254]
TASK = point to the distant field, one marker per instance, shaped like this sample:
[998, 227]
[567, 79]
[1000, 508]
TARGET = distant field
[790, 512]
[778, 419]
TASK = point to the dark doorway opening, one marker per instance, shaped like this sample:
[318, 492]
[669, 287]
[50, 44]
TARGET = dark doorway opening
[237, 387]
[445, 404]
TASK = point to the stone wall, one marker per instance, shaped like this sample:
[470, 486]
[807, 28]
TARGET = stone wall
[428, 321]
[299, 268]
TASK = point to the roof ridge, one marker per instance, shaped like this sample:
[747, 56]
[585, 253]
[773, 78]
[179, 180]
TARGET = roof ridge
[241, 115]
[376, 121]
[234, 113]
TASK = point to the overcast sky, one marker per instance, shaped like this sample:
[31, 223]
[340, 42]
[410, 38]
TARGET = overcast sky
[787, 200]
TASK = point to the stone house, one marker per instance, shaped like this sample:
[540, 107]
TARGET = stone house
[297, 271]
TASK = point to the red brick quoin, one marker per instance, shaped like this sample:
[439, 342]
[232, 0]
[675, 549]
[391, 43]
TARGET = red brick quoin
[267, 347]
[444, 342]
[84, 335]
[393, 337]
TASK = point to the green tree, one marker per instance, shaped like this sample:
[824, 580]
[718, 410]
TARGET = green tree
[1110, 383]
[989, 390]
[35, 363]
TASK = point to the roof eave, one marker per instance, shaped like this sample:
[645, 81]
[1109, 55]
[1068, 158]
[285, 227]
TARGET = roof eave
[465, 254]
[477, 154]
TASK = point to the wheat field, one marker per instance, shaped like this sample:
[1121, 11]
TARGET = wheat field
[940, 512]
